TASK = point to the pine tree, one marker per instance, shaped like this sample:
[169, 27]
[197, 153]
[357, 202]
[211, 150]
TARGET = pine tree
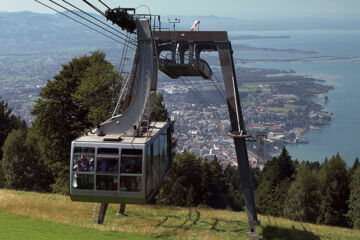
[284, 167]
[234, 195]
[354, 167]
[8, 122]
[255, 176]
[334, 180]
[185, 174]
[272, 190]
[303, 196]
[354, 200]
[213, 184]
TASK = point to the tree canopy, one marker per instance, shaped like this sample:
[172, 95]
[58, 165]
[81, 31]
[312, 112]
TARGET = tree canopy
[193, 181]
[22, 163]
[304, 196]
[334, 183]
[8, 122]
[78, 98]
[354, 200]
[159, 112]
[275, 180]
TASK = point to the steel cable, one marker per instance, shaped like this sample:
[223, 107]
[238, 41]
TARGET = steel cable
[72, 5]
[79, 22]
[87, 20]
[192, 87]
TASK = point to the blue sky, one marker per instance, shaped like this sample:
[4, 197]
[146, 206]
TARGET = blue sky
[243, 9]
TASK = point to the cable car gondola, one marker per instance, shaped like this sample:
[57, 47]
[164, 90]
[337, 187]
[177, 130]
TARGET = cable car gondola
[118, 169]
[127, 157]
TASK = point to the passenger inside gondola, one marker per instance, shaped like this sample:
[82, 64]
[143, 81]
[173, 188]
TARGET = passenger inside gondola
[131, 161]
[84, 164]
[107, 165]
[122, 186]
[81, 156]
[102, 165]
[104, 182]
[91, 165]
[130, 183]
[115, 182]
[115, 167]
[131, 165]
[82, 181]
[77, 166]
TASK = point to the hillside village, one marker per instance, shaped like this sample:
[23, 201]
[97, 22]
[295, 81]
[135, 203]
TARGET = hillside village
[202, 127]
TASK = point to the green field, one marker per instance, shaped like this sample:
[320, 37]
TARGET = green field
[28, 215]
[286, 108]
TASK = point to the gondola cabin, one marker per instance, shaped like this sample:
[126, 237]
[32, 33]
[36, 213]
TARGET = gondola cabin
[119, 169]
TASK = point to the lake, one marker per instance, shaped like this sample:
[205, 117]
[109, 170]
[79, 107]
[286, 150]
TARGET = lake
[343, 134]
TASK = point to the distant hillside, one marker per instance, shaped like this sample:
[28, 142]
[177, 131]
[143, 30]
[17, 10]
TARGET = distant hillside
[28, 31]
[237, 24]
[153, 222]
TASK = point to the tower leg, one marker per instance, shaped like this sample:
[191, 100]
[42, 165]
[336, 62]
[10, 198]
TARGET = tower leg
[237, 125]
[102, 213]
[122, 210]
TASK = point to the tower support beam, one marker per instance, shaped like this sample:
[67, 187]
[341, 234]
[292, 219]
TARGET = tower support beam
[237, 125]
[218, 41]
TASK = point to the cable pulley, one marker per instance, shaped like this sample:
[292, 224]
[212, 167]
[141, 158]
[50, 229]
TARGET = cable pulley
[122, 18]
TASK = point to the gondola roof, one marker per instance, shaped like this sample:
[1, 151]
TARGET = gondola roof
[153, 129]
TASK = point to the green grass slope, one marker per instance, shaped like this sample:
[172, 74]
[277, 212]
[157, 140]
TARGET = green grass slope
[28, 215]
[15, 227]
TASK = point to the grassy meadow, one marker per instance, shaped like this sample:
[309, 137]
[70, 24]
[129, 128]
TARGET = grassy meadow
[28, 215]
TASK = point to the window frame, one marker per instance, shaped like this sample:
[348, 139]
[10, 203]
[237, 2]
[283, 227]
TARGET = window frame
[96, 146]
[141, 174]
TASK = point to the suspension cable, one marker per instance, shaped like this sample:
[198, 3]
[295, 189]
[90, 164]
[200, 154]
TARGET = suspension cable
[95, 8]
[79, 22]
[200, 95]
[104, 4]
[219, 84]
[72, 5]
[123, 57]
[217, 116]
[125, 86]
[115, 95]
[86, 19]
[221, 93]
